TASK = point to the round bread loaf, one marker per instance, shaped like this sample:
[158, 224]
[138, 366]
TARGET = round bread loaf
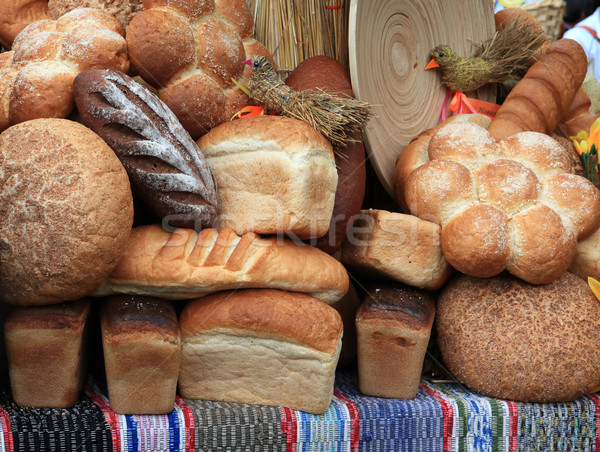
[67, 211]
[508, 205]
[191, 51]
[509, 339]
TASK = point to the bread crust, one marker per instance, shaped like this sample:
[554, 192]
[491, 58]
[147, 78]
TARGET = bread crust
[499, 336]
[68, 208]
[46, 353]
[16, 15]
[275, 175]
[259, 312]
[185, 265]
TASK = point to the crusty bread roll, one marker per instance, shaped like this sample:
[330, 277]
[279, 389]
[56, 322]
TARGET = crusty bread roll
[122, 10]
[398, 246]
[323, 73]
[36, 76]
[165, 167]
[16, 15]
[141, 344]
[512, 204]
[266, 347]
[45, 346]
[274, 175]
[415, 154]
[512, 340]
[393, 326]
[542, 97]
[185, 264]
[587, 260]
[191, 51]
[67, 208]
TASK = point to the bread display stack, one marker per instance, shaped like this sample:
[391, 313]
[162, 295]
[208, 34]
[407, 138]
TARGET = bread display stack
[256, 228]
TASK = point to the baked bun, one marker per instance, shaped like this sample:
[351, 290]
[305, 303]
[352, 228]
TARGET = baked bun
[415, 154]
[67, 208]
[36, 76]
[511, 205]
[122, 10]
[16, 15]
[512, 340]
[274, 175]
[190, 51]
[264, 347]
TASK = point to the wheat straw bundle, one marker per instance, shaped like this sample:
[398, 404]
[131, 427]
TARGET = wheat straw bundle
[294, 30]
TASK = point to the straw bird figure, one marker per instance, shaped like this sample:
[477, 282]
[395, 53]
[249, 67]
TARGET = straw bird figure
[506, 57]
[339, 119]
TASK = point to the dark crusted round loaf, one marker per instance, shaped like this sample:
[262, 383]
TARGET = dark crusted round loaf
[66, 210]
[325, 73]
[509, 339]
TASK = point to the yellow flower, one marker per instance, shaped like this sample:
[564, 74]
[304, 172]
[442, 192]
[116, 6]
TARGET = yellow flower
[595, 286]
[594, 137]
[583, 141]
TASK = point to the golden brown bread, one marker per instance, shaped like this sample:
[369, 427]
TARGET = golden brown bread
[16, 15]
[185, 264]
[512, 204]
[36, 76]
[141, 343]
[261, 346]
[538, 102]
[190, 51]
[393, 326]
[275, 175]
[397, 246]
[512, 340]
[46, 352]
[67, 208]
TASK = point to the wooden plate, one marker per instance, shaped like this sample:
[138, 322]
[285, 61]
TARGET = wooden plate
[389, 42]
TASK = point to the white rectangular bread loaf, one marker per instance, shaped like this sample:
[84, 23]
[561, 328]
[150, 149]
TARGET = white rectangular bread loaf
[141, 343]
[394, 245]
[185, 265]
[45, 346]
[260, 346]
[393, 327]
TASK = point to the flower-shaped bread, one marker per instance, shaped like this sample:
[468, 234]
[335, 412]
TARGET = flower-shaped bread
[511, 205]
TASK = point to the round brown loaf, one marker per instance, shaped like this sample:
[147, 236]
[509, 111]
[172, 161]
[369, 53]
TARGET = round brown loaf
[67, 209]
[325, 73]
[508, 339]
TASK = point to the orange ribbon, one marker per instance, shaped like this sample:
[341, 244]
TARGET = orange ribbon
[248, 111]
[463, 104]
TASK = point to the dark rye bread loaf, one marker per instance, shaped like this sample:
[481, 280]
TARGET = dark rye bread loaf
[393, 326]
[512, 340]
[141, 343]
[166, 169]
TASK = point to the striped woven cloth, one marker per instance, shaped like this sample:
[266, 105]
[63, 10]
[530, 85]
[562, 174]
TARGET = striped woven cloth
[442, 417]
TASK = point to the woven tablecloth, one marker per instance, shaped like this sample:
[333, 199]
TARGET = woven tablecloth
[442, 417]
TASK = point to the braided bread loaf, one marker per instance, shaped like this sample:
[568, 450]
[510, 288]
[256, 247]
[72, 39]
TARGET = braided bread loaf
[36, 76]
[190, 51]
[511, 205]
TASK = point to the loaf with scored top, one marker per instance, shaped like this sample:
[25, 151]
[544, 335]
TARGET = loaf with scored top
[184, 264]
[165, 166]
